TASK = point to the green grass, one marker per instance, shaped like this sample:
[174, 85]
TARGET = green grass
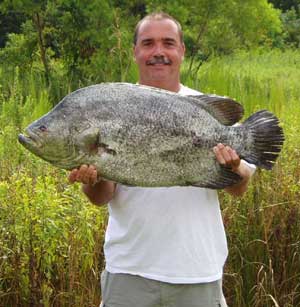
[263, 267]
[51, 237]
[51, 241]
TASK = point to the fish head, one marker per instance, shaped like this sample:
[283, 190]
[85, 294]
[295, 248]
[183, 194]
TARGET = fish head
[75, 132]
[63, 140]
[49, 140]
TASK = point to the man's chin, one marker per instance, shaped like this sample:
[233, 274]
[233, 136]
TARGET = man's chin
[160, 76]
[156, 74]
[160, 71]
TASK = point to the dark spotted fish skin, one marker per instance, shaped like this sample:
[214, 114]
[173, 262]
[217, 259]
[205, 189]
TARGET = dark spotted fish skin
[142, 136]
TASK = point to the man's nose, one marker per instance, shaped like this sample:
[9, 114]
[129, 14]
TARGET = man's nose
[158, 50]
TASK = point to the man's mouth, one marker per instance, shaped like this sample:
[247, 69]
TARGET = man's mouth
[158, 61]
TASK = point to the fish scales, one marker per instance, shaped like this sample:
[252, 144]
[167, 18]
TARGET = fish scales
[142, 136]
[163, 129]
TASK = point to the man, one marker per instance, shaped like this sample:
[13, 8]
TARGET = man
[163, 246]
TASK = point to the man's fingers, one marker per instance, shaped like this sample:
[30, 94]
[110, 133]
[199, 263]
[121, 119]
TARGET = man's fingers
[88, 177]
[225, 153]
[73, 175]
[81, 173]
[93, 177]
[221, 154]
[235, 159]
[227, 156]
[85, 174]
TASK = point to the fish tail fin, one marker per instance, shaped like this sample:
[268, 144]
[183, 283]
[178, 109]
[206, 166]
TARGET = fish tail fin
[267, 137]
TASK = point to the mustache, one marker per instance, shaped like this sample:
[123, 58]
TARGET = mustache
[158, 60]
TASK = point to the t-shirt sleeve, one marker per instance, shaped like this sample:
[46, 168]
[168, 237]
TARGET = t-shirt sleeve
[251, 166]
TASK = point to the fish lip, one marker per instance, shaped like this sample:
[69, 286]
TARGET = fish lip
[29, 139]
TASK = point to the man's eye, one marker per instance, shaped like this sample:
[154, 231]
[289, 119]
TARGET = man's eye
[169, 44]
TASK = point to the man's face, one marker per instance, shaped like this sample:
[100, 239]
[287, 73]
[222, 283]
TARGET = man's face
[158, 51]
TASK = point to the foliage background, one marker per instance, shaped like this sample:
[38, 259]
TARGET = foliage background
[50, 236]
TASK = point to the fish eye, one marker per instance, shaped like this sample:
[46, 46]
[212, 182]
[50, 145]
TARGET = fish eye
[43, 128]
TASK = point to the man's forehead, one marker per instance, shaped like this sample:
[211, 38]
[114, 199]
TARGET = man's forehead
[158, 29]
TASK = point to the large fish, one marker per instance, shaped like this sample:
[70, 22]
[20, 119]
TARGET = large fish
[143, 136]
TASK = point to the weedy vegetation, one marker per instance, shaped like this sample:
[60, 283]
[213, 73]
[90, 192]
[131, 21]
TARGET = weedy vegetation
[263, 268]
[51, 237]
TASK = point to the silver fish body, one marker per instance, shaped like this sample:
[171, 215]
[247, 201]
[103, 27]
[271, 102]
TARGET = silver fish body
[142, 136]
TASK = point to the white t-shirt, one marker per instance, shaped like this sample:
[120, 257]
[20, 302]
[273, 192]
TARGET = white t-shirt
[173, 234]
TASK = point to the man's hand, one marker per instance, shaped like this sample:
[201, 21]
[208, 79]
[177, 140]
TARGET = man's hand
[86, 174]
[229, 158]
[99, 192]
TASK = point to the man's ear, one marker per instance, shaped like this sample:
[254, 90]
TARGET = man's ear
[133, 52]
[183, 50]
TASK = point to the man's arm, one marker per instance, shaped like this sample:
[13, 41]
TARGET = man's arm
[98, 192]
[228, 157]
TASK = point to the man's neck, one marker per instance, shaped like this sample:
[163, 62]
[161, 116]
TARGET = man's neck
[166, 85]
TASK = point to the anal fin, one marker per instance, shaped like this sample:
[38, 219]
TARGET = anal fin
[224, 178]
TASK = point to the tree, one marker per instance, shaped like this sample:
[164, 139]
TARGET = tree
[285, 5]
[93, 38]
[9, 23]
[36, 10]
[291, 26]
[76, 32]
[222, 26]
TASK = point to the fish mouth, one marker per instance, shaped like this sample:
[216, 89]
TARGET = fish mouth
[30, 140]
[38, 146]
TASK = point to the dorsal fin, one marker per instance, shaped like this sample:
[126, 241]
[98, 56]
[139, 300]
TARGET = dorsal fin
[224, 109]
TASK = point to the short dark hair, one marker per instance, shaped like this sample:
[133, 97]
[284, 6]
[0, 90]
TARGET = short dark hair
[157, 16]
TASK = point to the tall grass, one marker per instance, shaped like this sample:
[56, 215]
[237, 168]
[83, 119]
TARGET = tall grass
[263, 227]
[50, 242]
[51, 237]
